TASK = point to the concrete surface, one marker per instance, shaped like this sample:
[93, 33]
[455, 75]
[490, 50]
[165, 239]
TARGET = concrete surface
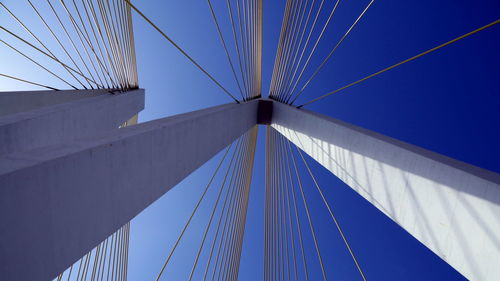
[40, 118]
[58, 202]
[451, 207]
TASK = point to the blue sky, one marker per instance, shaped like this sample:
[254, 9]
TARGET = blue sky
[447, 102]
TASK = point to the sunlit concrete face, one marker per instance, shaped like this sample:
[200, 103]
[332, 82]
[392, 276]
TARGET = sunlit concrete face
[451, 207]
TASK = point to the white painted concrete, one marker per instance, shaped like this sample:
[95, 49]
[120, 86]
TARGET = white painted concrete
[451, 207]
[21, 101]
[36, 119]
[60, 201]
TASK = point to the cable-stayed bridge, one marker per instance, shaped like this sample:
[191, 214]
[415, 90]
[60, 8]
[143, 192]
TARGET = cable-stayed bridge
[76, 167]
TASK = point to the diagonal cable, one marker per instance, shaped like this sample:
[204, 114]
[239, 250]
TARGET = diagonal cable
[26, 81]
[192, 215]
[311, 226]
[333, 216]
[332, 51]
[315, 45]
[181, 50]
[221, 37]
[402, 62]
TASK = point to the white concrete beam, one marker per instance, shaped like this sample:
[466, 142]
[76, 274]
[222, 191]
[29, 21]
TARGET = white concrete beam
[451, 207]
[59, 202]
[40, 118]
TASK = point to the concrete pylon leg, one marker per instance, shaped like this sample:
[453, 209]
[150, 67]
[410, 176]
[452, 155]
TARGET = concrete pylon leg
[451, 207]
[59, 202]
[40, 118]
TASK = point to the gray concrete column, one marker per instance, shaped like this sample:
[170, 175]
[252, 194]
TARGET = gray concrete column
[58, 202]
[39, 118]
[453, 208]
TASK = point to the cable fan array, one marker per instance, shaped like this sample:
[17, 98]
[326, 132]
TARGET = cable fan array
[285, 245]
[86, 44]
[296, 48]
[108, 261]
[248, 18]
[245, 17]
[222, 236]
[301, 18]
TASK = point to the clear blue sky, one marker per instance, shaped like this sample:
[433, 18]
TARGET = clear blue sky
[448, 102]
